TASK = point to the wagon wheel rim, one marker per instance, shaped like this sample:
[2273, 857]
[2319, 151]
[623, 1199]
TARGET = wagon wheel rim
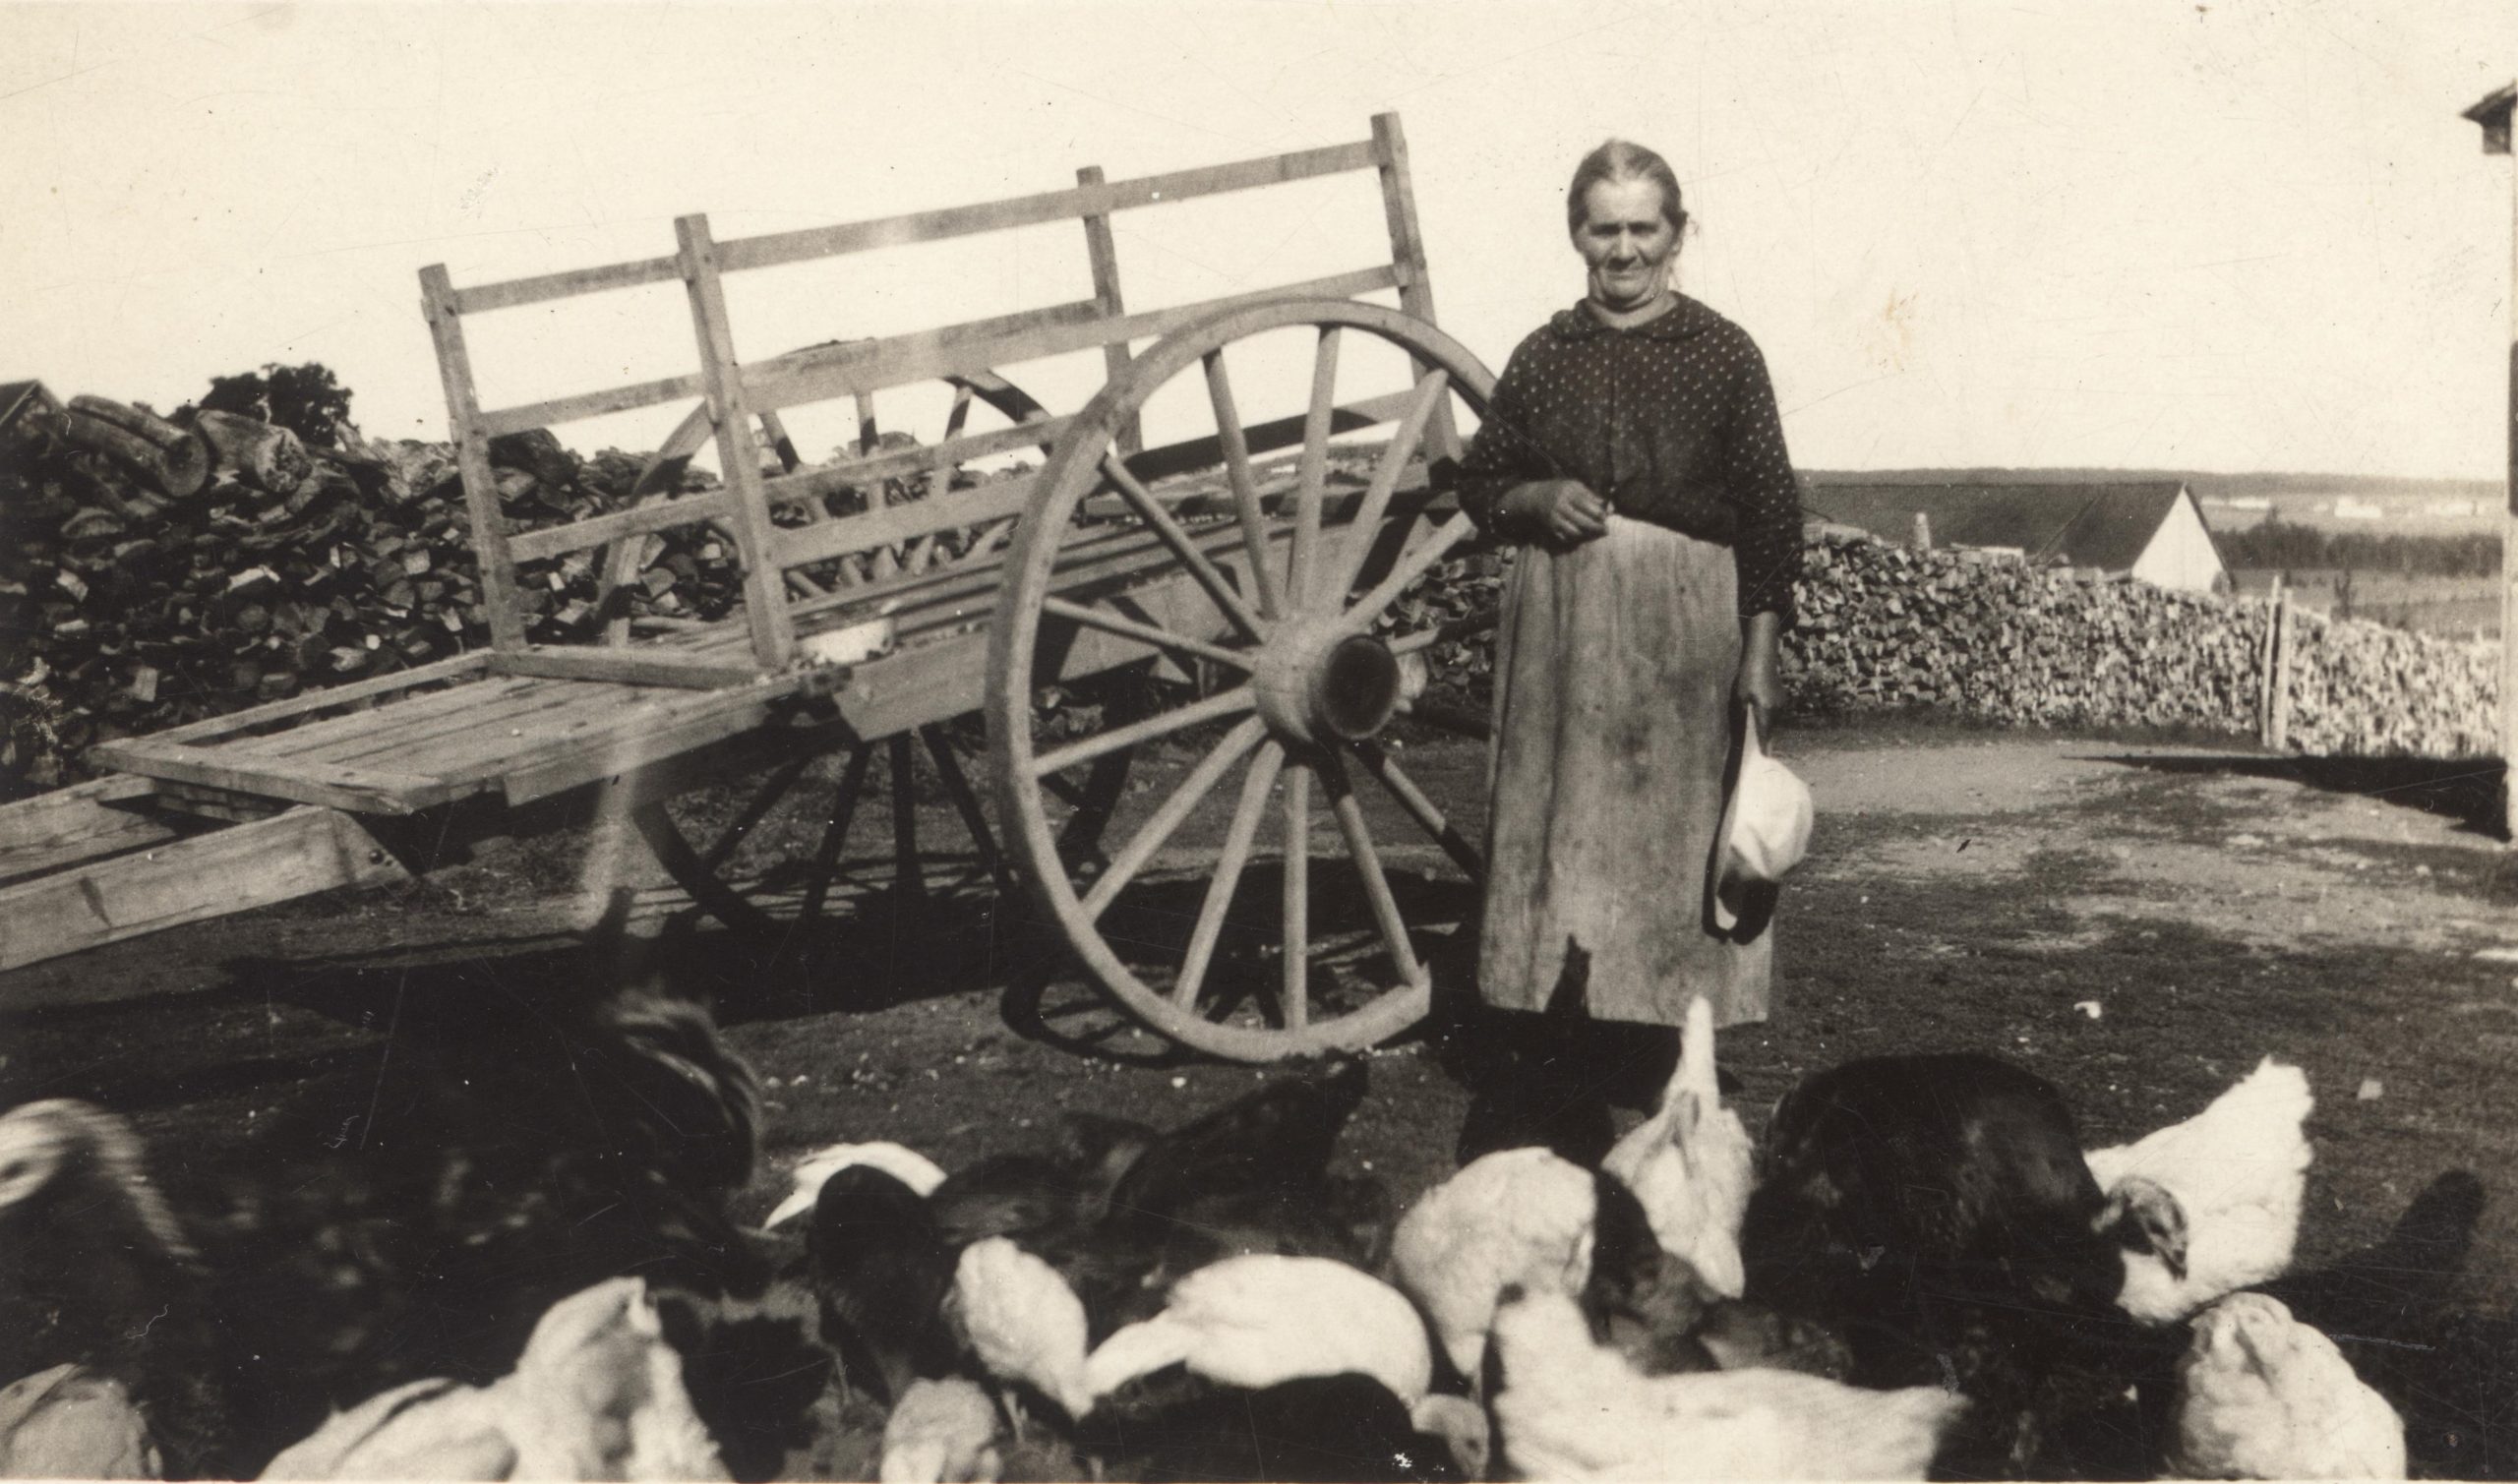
[1286, 606]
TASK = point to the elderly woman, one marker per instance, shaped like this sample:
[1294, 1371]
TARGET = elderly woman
[1634, 449]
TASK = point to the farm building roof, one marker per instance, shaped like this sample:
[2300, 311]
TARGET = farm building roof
[2101, 525]
[2493, 113]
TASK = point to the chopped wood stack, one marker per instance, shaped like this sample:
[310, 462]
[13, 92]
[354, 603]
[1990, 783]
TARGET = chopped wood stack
[2363, 690]
[132, 607]
[1885, 626]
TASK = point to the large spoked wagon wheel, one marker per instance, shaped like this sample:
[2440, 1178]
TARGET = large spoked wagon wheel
[1281, 582]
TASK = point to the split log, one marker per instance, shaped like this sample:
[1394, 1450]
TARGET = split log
[265, 456]
[167, 458]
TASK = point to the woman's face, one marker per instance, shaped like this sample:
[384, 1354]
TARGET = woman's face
[1626, 242]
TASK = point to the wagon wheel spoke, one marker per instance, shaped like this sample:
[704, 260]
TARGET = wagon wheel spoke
[781, 781]
[1420, 807]
[1294, 993]
[1183, 548]
[1350, 816]
[834, 837]
[1235, 445]
[966, 802]
[1434, 548]
[1214, 708]
[1312, 469]
[1157, 831]
[1152, 634]
[1238, 836]
[1432, 389]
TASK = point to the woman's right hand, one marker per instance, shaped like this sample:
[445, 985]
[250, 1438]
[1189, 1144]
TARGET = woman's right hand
[1563, 511]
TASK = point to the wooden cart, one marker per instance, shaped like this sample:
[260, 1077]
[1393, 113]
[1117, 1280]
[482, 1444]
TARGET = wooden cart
[1256, 563]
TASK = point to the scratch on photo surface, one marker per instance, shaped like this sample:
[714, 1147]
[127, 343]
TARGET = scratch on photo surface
[401, 986]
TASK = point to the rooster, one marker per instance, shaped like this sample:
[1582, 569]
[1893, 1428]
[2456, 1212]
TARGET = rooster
[1690, 1164]
[2221, 1192]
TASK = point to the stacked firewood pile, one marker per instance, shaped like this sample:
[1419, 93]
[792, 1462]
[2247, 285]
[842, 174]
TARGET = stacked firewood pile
[2002, 641]
[2364, 689]
[1885, 626]
[153, 574]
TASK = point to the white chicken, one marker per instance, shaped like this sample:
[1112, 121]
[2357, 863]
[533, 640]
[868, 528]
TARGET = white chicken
[1692, 1163]
[1517, 1216]
[1022, 1319]
[597, 1395]
[1572, 1409]
[2219, 1194]
[2262, 1396]
[1262, 1318]
[70, 1422]
[903, 1163]
[941, 1431]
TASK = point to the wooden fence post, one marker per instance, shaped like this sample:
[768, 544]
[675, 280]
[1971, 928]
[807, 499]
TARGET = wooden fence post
[2264, 665]
[2509, 529]
[2278, 727]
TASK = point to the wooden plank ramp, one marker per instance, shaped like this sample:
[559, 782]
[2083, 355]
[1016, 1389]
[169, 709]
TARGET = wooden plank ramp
[293, 854]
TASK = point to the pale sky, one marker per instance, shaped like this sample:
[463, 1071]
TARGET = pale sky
[2240, 235]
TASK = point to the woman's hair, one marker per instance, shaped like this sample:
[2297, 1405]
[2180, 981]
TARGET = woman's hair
[1618, 160]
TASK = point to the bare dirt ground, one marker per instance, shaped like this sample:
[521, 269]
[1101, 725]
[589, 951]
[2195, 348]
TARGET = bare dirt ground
[2139, 922]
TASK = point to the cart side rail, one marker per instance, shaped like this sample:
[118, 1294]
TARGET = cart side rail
[736, 394]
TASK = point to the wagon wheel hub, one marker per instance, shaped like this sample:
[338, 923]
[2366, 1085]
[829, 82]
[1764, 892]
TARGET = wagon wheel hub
[1317, 684]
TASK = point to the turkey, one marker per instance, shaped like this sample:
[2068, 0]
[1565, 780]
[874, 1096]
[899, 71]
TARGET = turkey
[477, 1185]
[597, 1395]
[71, 1423]
[1020, 1322]
[1690, 1164]
[1518, 1216]
[2264, 1397]
[880, 1269]
[942, 1432]
[1937, 1211]
[2224, 1187]
[1569, 1409]
[1261, 1319]
[907, 1165]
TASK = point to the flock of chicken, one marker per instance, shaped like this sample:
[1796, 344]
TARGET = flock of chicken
[1917, 1269]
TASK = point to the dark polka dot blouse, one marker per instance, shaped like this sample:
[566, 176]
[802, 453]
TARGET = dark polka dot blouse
[1673, 421]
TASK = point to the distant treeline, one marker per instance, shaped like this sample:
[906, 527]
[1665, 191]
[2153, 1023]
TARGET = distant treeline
[2278, 543]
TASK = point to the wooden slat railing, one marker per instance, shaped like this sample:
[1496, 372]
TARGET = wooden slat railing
[736, 395]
